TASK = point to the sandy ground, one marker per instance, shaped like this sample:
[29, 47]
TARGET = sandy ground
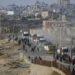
[11, 65]
[42, 70]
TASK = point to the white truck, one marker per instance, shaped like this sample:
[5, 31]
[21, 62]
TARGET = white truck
[26, 35]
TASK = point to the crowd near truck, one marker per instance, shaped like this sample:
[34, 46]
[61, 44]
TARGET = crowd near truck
[63, 50]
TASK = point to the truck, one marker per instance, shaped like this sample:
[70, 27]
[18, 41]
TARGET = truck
[26, 35]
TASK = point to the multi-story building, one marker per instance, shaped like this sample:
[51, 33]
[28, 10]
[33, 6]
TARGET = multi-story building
[58, 2]
[63, 3]
[3, 11]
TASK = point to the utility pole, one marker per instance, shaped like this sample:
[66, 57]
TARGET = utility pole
[0, 25]
[56, 37]
[13, 27]
[60, 28]
[71, 42]
[60, 35]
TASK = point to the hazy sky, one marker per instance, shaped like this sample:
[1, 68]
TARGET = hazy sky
[25, 2]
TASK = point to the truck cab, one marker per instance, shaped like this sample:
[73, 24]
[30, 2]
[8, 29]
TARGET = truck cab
[26, 35]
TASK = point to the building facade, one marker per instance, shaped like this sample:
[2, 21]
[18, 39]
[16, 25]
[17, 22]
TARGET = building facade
[63, 3]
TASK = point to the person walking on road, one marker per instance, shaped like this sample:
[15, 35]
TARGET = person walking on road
[73, 71]
[37, 49]
[40, 58]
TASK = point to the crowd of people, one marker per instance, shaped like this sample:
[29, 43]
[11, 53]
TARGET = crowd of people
[64, 58]
[71, 61]
[33, 48]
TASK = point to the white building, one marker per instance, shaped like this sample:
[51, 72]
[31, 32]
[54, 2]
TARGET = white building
[45, 14]
[10, 13]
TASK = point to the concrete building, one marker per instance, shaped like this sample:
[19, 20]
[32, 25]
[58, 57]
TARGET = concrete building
[59, 2]
[48, 23]
[3, 11]
[65, 3]
[45, 14]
